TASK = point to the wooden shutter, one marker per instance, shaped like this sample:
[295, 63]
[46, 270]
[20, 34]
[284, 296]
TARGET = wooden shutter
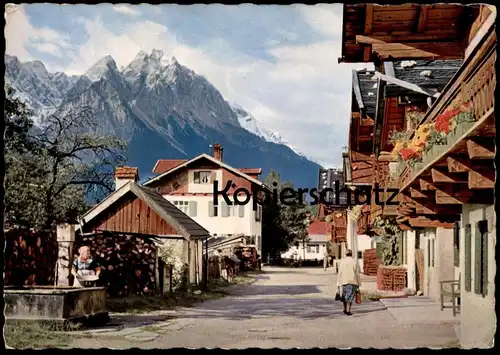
[456, 245]
[468, 251]
[193, 208]
[405, 249]
[481, 258]
[478, 241]
[225, 209]
[210, 209]
[485, 258]
[433, 251]
[428, 253]
[241, 211]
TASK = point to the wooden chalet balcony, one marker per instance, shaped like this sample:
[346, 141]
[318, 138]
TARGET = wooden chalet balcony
[475, 82]
[461, 171]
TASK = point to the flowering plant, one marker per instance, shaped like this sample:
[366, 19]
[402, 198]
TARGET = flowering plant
[451, 117]
[414, 114]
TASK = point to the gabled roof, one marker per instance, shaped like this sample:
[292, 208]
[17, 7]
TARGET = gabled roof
[404, 84]
[212, 159]
[365, 90]
[250, 171]
[164, 165]
[317, 227]
[184, 224]
[427, 74]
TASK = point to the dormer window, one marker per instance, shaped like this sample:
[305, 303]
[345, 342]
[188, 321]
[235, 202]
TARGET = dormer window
[202, 177]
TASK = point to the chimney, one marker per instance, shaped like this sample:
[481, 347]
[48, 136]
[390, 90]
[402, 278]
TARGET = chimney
[125, 174]
[217, 151]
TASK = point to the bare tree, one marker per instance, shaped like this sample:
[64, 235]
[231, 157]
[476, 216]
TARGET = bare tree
[68, 160]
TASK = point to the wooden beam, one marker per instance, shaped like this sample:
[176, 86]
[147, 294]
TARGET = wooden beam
[420, 222]
[432, 208]
[368, 18]
[404, 227]
[452, 198]
[414, 193]
[445, 177]
[426, 185]
[356, 156]
[406, 38]
[481, 179]
[423, 11]
[429, 50]
[367, 53]
[463, 197]
[481, 149]
[462, 164]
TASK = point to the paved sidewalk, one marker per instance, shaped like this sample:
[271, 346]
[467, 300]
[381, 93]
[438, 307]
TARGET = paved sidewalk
[419, 310]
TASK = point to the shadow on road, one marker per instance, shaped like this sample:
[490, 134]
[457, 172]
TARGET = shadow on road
[270, 290]
[301, 308]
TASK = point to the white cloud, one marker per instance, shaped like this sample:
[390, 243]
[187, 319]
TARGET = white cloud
[20, 34]
[126, 10]
[324, 18]
[304, 94]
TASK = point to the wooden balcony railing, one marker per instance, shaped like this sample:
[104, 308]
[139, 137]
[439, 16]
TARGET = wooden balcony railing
[473, 83]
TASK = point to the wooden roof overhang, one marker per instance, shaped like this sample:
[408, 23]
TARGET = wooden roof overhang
[389, 32]
[461, 172]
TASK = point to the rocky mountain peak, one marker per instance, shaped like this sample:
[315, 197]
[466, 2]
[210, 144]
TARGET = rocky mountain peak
[37, 67]
[156, 54]
[101, 68]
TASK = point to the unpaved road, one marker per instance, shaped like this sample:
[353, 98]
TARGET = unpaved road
[285, 308]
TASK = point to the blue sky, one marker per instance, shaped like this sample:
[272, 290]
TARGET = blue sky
[277, 62]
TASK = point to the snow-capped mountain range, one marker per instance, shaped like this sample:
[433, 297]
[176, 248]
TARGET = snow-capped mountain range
[164, 109]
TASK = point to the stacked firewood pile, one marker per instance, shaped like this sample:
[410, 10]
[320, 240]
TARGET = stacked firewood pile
[391, 278]
[370, 262]
[127, 262]
[30, 257]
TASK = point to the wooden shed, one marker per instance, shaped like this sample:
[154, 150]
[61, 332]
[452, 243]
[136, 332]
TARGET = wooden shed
[134, 209]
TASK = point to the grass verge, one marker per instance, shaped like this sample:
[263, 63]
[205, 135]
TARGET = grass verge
[36, 335]
[141, 304]
[46, 334]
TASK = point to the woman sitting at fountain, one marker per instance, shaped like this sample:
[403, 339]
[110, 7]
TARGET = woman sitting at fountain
[84, 265]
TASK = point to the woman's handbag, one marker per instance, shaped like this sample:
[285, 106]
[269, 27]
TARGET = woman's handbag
[358, 297]
[337, 295]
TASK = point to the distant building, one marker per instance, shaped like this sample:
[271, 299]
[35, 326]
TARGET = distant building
[327, 179]
[188, 184]
[315, 247]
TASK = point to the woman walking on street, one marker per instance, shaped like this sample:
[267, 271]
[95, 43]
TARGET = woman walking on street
[348, 280]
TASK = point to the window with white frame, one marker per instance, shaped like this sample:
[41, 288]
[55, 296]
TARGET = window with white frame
[258, 213]
[213, 210]
[182, 205]
[313, 248]
[202, 177]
